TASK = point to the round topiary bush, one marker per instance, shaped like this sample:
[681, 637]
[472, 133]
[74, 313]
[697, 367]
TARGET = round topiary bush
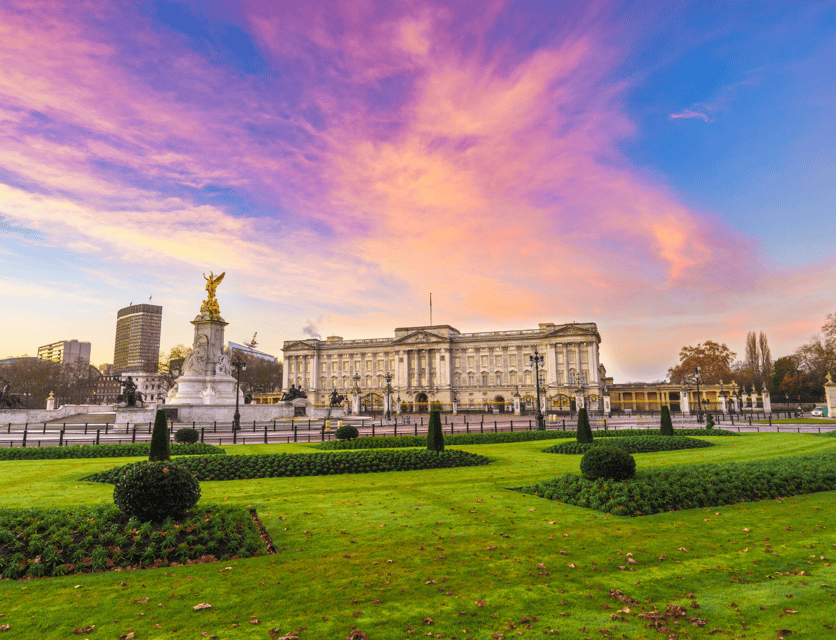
[187, 435]
[346, 432]
[153, 491]
[607, 462]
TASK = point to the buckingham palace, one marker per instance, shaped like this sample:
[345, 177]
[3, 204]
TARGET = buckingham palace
[438, 364]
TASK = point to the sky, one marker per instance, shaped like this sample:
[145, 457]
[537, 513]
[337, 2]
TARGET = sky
[663, 169]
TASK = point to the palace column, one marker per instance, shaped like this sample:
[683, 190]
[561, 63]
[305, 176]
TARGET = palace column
[551, 360]
[565, 363]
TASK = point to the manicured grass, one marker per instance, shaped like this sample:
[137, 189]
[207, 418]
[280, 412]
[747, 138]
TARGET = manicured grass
[459, 542]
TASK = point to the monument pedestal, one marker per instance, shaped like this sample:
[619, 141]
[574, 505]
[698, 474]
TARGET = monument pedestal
[207, 378]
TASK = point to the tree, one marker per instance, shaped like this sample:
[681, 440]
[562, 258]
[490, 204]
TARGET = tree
[814, 360]
[714, 361]
[753, 357]
[666, 425]
[32, 380]
[261, 376]
[171, 362]
[584, 430]
[766, 359]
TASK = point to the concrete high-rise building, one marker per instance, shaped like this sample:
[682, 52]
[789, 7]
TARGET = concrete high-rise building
[66, 352]
[137, 338]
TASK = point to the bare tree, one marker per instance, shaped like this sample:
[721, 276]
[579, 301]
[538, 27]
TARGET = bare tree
[766, 360]
[753, 359]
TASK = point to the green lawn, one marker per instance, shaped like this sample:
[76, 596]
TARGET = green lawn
[383, 552]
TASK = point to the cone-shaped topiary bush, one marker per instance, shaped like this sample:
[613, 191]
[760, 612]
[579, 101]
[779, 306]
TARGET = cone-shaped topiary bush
[435, 439]
[346, 432]
[608, 462]
[584, 430]
[155, 491]
[666, 426]
[709, 422]
[159, 438]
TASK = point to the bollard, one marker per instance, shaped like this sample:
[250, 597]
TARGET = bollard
[265, 434]
[415, 424]
[193, 424]
[372, 428]
[215, 426]
[98, 432]
[294, 430]
[61, 439]
[106, 425]
[396, 427]
[85, 428]
[494, 425]
[133, 436]
[322, 433]
[564, 424]
[234, 435]
[253, 426]
[201, 435]
[274, 424]
[44, 431]
[149, 427]
[770, 419]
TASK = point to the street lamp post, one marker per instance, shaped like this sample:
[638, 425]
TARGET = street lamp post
[388, 396]
[699, 403]
[240, 366]
[537, 360]
[356, 378]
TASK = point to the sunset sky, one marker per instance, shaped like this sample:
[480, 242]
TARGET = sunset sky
[664, 169]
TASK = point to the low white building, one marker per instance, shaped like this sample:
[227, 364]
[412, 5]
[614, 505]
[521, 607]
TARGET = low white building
[439, 364]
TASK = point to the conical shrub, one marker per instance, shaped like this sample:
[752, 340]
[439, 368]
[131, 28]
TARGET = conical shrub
[435, 439]
[159, 438]
[584, 430]
[666, 426]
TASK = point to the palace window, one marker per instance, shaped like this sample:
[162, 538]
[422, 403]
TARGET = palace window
[380, 365]
[497, 360]
[512, 359]
[368, 365]
[470, 379]
[527, 377]
[322, 382]
[498, 379]
[458, 362]
[484, 361]
[392, 364]
[368, 382]
[457, 379]
[512, 377]
[484, 379]
[469, 362]
[559, 377]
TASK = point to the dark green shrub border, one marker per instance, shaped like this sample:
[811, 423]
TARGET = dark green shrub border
[278, 465]
[103, 451]
[695, 486]
[608, 462]
[187, 435]
[633, 444]
[55, 542]
[396, 442]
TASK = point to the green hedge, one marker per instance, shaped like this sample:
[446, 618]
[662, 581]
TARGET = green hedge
[103, 451]
[280, 465]
[396, 442]
[694, 486]
[633, 444]
[55, 542]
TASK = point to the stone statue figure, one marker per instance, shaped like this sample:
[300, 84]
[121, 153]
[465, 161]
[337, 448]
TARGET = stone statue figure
[7, 400]
[130, 396]
[223, 366]
[293, 393]
[196, 360]
[211, 304]
[336, 398]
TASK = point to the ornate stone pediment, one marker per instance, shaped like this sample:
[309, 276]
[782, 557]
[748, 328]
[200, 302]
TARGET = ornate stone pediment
[571, 329]
[420, 337]
[299, 344]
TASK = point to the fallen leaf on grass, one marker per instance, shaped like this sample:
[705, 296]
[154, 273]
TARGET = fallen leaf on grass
[128, 636]
[86, 629]
[4, 627]
[201, 606]
[357, 635]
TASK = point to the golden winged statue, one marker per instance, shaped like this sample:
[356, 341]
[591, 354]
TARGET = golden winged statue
[211, 304]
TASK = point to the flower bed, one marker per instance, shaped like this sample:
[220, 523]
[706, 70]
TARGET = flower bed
[694, 486]
[104, 451]
[280, 465]
[633, 444]
[55, 542]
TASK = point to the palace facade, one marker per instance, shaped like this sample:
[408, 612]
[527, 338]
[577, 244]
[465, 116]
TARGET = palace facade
[440, 364]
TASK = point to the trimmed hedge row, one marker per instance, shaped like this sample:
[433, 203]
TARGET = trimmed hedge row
[453, 439]
[55, 542]
[103, 451]
[695, 486]
[280, 465]
[633, 444]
